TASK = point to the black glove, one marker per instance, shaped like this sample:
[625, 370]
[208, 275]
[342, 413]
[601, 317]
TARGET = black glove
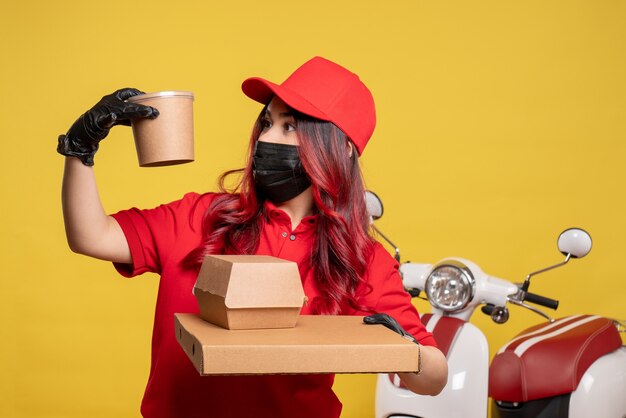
[389, 322]
[83, 137]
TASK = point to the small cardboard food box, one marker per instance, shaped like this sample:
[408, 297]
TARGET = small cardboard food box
[249, 307]
[249, 291]
[317, 344]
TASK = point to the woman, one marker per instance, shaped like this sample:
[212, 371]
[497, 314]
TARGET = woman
[300, 198]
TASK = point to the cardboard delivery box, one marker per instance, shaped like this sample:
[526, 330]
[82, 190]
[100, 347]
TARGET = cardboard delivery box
[318, 344]
[249, 291]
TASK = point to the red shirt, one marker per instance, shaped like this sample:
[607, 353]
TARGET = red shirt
[160, 238]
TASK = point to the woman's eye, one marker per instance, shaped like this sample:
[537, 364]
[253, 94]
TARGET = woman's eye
[266, 124]
[289, 127]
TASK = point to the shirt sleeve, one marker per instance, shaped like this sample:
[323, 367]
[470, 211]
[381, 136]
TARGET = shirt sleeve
[389, 296]
[153, 234]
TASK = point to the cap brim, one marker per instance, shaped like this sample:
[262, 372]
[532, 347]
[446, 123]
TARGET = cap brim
[262, 91]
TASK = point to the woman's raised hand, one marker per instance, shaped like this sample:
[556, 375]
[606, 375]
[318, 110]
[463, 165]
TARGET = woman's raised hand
[83, 137]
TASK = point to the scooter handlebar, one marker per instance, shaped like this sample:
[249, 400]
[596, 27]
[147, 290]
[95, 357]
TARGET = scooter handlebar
[541, 300]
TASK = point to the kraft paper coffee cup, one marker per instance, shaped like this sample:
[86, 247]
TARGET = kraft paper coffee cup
[168, 139]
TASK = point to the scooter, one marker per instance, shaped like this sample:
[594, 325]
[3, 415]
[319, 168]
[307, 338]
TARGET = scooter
[568, 367]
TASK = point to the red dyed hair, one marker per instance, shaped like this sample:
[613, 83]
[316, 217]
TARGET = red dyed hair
[343, 245]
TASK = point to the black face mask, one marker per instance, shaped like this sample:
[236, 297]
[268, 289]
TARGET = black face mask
[278, 171]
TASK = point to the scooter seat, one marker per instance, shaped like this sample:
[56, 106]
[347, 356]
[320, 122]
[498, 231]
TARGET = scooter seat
[549, 359]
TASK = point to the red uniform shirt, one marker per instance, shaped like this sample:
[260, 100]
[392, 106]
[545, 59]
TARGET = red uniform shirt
[160, 238]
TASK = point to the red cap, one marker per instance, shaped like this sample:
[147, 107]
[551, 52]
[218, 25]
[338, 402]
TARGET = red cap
[324, 90]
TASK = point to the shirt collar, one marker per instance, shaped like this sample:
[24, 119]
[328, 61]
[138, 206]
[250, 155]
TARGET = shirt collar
[275, 214]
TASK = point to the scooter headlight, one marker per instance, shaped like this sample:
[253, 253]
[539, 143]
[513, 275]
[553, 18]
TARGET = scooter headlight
[450, 286]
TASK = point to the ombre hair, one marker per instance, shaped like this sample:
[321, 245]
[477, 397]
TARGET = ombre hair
[343, 246]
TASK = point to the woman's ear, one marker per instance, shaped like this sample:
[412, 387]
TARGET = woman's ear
[349, 148]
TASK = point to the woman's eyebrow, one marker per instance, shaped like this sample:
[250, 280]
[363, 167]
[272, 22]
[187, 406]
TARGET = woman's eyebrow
[281, 114]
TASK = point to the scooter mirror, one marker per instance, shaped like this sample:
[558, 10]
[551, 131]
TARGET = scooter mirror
[374, 205]
[574, 241]
[375, 210]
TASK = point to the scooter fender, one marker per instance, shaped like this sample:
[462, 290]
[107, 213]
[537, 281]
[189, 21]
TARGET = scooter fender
[601, 390]
[464, 395]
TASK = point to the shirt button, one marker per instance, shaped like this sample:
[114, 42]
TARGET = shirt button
[292, 237]
[284, 234]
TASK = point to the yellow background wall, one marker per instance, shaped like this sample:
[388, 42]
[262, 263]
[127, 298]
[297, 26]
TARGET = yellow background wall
[500, 124]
